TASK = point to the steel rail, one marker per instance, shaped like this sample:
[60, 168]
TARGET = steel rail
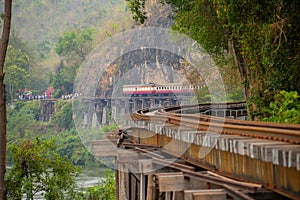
[272, 131]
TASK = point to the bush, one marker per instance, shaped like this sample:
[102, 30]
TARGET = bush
[106, 191]
[284, 109]
[37, 168]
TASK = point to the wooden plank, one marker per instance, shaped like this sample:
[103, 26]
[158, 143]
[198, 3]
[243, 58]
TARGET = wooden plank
[104, 148]
[103, 142]
[150, 188]
[232, 180]
[105, 154]
[145, 166]
[142, 187]
[188, 194]
[126, 156]
[168, 183]
[209, 195]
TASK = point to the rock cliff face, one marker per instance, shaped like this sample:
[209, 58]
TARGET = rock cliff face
[158, 15]
[153, 65]
[141, 65]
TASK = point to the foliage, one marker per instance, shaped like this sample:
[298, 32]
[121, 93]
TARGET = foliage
[23, 124]
[263, 37]
[22, 120]
[37, 168]
[48, 24]
[63, 80]
[16, 79]
[284, 109]
[17, 57]
[63, 115]
[70, 145]
[137, 8]
[17, 71]
[79, 43]
[108, 128]
[107, 190]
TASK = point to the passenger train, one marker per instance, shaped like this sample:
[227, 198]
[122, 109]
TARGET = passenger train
[153, 89]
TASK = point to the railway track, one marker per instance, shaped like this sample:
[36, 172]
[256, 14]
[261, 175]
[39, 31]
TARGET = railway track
[189, 116]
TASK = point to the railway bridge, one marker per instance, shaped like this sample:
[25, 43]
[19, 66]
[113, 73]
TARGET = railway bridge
[178, 153]
[99, 111]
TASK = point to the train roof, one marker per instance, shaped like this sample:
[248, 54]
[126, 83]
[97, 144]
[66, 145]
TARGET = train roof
[154, 84]
[140, 85]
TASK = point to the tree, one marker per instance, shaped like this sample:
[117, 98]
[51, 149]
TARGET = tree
[64, 79]
[37, 168]
[78, 43]
[17, 57]
[23, 121]
[17, 71]
[16, 79]
[3, 47]
[262, 35]
[107, 190]
[285, 108]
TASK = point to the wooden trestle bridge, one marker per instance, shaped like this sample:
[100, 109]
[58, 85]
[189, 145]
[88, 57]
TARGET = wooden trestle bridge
[177, 153]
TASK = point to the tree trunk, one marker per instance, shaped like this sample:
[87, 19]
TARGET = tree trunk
[245, 76]
[244, 72]
[3, 48]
